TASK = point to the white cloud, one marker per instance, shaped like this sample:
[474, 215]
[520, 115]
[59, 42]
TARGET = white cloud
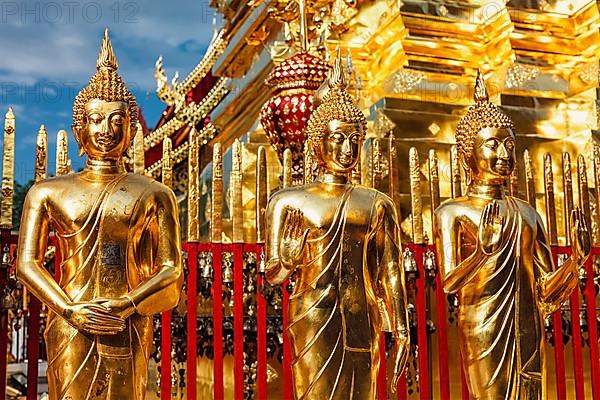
[46, 57]
[38, 44]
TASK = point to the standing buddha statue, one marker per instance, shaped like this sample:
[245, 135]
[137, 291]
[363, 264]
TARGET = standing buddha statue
[118, 234]
[494, 253]
[343, 242]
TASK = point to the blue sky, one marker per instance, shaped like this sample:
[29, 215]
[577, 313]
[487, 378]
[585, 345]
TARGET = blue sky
[49, 51]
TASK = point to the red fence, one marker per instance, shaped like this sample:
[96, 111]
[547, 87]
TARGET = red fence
[227, 268]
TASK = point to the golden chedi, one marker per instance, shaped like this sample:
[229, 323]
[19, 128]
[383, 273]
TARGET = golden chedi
[343, 242]
[118, 234]
[494, 252]
[285, 115]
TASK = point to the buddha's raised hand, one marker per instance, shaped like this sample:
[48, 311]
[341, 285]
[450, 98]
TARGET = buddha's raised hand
[490, 228]
[293, 238]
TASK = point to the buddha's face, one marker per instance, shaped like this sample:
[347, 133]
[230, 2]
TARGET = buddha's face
[340, 147]
[106, 130]
[493, 155]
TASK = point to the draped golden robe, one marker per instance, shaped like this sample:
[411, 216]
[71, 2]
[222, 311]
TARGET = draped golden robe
[340, 304]
[503, 305]
[114, 249]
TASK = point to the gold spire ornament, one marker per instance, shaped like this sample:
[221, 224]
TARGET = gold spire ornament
[167, 162]
[62, 153]
[138, 151]
[375, 164]
[119, 237]
[261, 194]
[456, 180]
[193, 222]
[549, 196]
[236, 207]
[415, 196]
[41, 154]
[287, 178]
[529, 178]
[494, 252]
[216, 218]
[8, 171]
[342, 241]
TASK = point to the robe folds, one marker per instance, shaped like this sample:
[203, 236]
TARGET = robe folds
[501, 312]
[104, 262]
[336, 313]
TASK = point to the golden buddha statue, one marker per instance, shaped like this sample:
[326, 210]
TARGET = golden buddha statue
[343, 242]
[493, 251]
[118, 234]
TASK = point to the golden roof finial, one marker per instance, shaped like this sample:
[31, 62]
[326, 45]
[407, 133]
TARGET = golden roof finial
[338, 77]
[481, 93]
[303, 25]
[106, 58]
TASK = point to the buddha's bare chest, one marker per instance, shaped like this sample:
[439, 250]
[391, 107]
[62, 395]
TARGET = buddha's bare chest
[321, 215]
[78, 208]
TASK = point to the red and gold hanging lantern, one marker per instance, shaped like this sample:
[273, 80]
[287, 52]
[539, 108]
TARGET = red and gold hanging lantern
[285, 114]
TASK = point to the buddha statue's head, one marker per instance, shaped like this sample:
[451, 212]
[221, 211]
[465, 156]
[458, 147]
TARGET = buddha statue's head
[485, 139]
[105, 112]
[336, 128]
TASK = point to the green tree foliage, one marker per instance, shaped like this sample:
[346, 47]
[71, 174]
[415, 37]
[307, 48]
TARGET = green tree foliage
[18, 200]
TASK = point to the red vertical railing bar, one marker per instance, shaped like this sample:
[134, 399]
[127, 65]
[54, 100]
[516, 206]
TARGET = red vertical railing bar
[402, 388]
[3, 348]
[423, 356]
[577, 342]
[287, 350]
[33, 347]
[442, 327]
[577, 345]
[590, 296]
[238, 320]
[192, 293]
[463, 376]
[165, 356]
[381, 377]
[5, 239]
[218, 320]
[559, 352]
[261, 334]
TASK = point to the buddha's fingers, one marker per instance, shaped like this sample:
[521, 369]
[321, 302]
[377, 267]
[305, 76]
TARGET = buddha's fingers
[287, 220]
[299, 223]
[107, 318]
